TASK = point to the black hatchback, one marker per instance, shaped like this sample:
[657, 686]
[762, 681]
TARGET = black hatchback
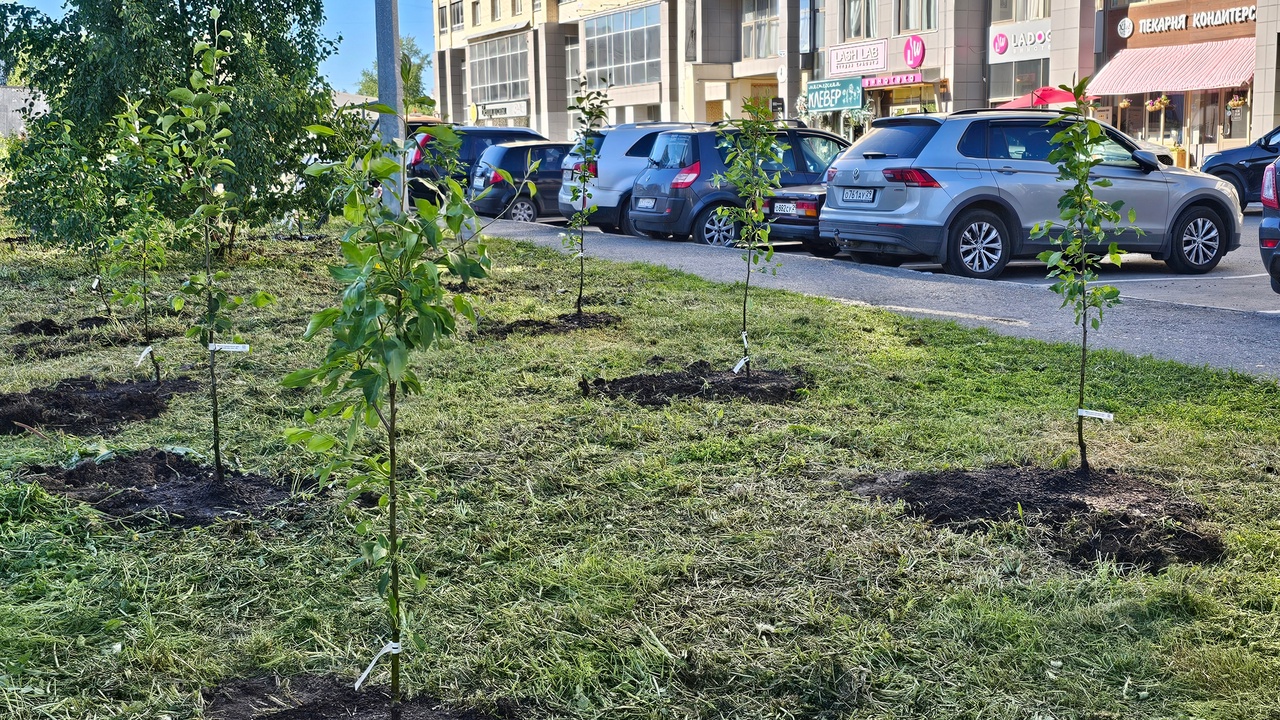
[1243, 166]
[678, 195]
[491, 194]
[425, 161]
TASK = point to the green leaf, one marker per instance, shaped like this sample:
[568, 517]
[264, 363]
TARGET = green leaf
[321, 130]
[181, 95]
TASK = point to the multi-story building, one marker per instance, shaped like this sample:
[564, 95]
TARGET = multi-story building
[519, 61]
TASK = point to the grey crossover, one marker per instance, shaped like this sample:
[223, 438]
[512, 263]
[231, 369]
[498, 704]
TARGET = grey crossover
[965, 190]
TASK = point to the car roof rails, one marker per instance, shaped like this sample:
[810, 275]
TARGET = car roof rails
[978, 111]
[785, 122]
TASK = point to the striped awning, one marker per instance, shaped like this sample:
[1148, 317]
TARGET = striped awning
[1177, 68]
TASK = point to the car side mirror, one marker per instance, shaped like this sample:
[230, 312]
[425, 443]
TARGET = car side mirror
[1146, 160]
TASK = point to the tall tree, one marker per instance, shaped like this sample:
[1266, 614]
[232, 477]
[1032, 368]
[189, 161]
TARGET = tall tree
[102, 52]
[417, 61]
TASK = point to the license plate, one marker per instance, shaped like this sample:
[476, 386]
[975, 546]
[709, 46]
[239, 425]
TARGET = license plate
[568, 176]
[646, 203]
[478, 182]
[858, 195]
[784, 208]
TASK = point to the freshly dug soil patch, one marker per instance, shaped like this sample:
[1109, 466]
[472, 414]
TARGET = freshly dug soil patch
[317, 698]
[700, 380]
[159, 485]
[92, 322]
[43, 326]
[84, 406]
[563, 324]
[1103, 515]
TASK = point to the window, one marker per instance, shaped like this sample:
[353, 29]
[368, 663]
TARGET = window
[785, 162]
[517, 8]
[500, 70]
[442, 19]
[917, 15]
[974, 142]
[475, 12]
[903, 138]
[1020, 141]
[759, 28]
[572, 64]
[624, 48]
[672, 152]
[818, 151]
[860, 19]
[1019, 10]
[1018, 78]
[495, 9]
[455, 14]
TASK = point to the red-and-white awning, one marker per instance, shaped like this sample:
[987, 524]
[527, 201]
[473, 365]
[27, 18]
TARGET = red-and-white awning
[1177, 68]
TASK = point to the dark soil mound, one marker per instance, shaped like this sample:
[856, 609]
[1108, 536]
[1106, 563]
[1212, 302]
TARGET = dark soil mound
[563, 324]
[700, 380]
[1103, 515]
[43, 326]
[83, 406]
[317, 698]
[159, 485]
[92, 322]
[15, 239]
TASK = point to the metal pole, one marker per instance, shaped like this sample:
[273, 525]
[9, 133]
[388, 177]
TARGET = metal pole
[390, 89]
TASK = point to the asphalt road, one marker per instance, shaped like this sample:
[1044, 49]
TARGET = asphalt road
[1227, 319]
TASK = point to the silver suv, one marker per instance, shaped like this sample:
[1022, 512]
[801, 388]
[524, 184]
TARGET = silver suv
[966, 188]
[622, 153]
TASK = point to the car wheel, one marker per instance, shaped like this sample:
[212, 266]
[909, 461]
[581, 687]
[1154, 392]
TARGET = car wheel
[712, 228]
[878, 258]
[979, 245]
[820, 250]
[625, 226]
[1199, 240]
[523, 210]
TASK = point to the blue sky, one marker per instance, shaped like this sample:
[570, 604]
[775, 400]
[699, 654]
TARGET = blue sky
[353, 21]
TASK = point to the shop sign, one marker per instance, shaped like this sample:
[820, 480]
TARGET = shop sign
[913, 51]
[1019, 41]
[858, 58]
[511, 109]
[892, 80]
[828, 95]
[1199, 21]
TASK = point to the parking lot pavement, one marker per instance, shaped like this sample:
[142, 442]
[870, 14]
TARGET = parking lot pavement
[1188, 333]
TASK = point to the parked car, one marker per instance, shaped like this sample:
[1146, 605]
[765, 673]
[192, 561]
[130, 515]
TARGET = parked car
[1243, 166]
[1269, 228]
[425, 164]
[622, 153]
[966, 189]
[678, 194]
[493, 195]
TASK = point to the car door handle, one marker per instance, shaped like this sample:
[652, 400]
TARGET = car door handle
[1006, 170]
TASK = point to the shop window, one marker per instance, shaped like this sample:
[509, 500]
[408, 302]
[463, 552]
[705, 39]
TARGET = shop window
[1019, 10]
[1010, 80]
[759, 28]
[917, 15]
[1235, 121]
[1206, 117]
[860, 19]
[1173, 115]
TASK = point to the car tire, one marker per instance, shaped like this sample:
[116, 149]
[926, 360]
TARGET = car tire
[711, 228]
[1197, 242]
[523, 209]
[878, 258]
[625, 226]
[979, 245]
[820, 250]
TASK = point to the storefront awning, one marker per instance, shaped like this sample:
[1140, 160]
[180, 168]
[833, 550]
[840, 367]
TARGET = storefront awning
[1177, 68]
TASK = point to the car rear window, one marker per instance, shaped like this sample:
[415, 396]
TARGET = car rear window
[597, 139]
[903, 138]
[672, 151]
[644, 145]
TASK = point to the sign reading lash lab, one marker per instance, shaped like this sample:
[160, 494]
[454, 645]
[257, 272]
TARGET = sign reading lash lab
[862, 58]
[1186, 21]
[1008, 42]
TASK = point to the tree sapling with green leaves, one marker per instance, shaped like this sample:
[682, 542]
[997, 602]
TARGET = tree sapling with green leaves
[753, 149]
[196, 144]
[395, 303]
[591, 106]
[1086, 222]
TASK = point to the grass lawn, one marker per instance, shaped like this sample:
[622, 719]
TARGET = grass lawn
[591, 558]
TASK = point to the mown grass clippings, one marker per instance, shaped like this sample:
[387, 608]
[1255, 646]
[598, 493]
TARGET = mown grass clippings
[594, 557]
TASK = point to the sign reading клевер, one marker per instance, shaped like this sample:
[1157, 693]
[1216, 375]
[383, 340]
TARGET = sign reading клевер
[829, 95]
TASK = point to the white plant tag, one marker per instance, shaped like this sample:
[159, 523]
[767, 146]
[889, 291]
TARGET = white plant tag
[1104, 416]
[741, 364]
[146, 351]
[94, 286]
[228, 347]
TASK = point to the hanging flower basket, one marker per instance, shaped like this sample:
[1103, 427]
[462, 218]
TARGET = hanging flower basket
[1125, 103]
[1236, 102]
[1158, 104]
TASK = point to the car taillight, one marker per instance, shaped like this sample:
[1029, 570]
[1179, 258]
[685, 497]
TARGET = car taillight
[585, 169]
[911, 177]
[1270, 243]
[831, 174]
[1269, 199]
[807, 207]
[687, 176]
[495, 178]
[417, 154]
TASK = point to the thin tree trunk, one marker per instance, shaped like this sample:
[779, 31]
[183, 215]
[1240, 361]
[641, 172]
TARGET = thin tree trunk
[394, 557]
[211, 311]
[1084, 356]
[746, 288]
[146, 312]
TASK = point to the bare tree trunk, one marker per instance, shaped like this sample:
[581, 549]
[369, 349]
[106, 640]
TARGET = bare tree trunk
[394, 557]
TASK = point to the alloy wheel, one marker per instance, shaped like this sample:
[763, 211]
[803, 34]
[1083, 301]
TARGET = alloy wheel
[1200, 241]
[523, 211]
[720, 230]
[980, 247]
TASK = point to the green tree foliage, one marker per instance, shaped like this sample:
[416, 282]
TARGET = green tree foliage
[395, 303]
[414, 64]
[1087, 222]
[103, 51]
[753, 148]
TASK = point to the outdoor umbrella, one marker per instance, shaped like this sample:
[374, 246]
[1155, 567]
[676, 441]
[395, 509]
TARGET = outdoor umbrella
[1041, 96]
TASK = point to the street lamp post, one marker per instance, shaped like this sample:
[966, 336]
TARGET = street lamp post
[390, 89]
